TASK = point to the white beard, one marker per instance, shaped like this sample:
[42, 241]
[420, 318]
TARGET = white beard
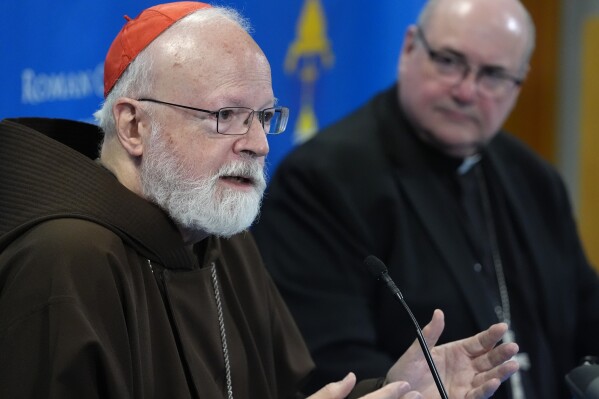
[200, 205]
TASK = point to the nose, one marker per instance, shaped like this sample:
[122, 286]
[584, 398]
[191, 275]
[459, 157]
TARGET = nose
[254, 142]
[465, 90]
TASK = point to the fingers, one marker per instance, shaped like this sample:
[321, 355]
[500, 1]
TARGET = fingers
[432, 331]
[412, 395]
[394, 390]
[485, 340]
[495, 357]
[501, 372]
[492, 335]
[485, 384]
[484, 391]
[336, 390]
[340, 390]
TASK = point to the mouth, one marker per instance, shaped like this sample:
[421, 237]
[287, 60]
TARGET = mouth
[456, 116]
[238, 180]
[242, 176]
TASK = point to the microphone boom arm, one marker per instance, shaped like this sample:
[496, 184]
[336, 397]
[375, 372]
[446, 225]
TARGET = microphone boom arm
[427, 354]
[378, 269]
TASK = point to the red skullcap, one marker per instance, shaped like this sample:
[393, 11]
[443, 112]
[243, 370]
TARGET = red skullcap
[138, 33]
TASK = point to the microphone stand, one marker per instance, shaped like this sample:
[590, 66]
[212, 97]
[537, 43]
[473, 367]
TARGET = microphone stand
[377, 268]
[427, 353]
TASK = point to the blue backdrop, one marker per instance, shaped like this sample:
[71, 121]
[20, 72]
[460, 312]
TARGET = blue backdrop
[327, 56]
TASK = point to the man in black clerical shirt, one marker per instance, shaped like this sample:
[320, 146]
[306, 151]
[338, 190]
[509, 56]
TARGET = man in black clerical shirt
[466, 218]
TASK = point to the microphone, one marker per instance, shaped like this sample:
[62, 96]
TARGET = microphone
[583, 380]
[377, 268]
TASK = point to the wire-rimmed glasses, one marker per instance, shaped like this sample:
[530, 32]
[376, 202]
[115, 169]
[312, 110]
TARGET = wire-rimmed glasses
[236, 121]
[492, 81]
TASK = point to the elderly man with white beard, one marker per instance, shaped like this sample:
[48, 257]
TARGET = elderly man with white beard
[133, 275]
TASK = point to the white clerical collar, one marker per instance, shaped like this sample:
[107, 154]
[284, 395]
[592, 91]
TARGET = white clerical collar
[468, 163]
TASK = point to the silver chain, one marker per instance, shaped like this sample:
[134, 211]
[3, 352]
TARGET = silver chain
[503, 314]
[223, 332]
[221, 327]
[503, 311]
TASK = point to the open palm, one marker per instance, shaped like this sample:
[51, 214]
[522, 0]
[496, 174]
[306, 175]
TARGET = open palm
[471, 368]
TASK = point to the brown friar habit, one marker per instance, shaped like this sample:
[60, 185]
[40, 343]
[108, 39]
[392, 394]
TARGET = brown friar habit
[100, 298]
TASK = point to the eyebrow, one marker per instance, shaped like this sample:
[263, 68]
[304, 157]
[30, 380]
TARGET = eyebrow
[233, 102]
[466, 60]
[237, 102]
[452, 51]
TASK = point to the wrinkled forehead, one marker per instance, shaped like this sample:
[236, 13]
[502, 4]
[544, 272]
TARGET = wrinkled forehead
[208, 57]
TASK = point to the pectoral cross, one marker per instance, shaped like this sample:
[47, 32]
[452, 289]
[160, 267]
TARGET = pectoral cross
[524, 362]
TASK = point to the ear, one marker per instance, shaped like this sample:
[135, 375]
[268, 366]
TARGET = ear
[131, 125]
[409, 42]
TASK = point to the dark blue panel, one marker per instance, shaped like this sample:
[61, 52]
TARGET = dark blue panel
[52, 54]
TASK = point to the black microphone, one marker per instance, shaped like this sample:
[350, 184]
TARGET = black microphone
[378, 269]
[583, 380]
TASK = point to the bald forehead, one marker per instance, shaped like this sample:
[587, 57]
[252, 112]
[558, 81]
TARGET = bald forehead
[508, 18]
[206, 48]
[507, 12]
[199, 39]
[210, 64]
[498, 10]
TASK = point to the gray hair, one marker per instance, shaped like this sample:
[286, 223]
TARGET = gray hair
[136, 81]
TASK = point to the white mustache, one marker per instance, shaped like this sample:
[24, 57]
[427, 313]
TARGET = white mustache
[252, 170]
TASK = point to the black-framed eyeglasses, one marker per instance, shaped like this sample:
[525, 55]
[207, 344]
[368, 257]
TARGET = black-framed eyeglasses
[236, 121]
[492, 81]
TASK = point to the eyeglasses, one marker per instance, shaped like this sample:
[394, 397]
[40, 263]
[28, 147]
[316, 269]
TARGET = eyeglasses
[236, 121]
[491, 81]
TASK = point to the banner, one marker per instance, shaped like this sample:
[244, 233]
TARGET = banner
[327, 56]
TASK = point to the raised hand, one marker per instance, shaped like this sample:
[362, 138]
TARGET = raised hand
[471, 368]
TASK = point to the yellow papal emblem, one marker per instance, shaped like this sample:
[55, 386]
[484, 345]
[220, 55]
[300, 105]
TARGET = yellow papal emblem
[310, 51]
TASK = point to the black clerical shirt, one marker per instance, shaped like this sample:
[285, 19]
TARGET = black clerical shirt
[466, 186]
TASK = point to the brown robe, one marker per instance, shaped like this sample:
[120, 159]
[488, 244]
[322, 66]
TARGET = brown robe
[99, 297]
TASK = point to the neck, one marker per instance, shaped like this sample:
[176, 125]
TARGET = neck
[123, 166]
[191, 237]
